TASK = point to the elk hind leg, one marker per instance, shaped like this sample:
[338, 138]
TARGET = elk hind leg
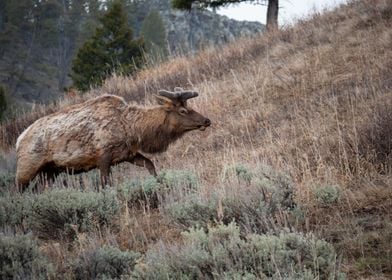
[104, 169]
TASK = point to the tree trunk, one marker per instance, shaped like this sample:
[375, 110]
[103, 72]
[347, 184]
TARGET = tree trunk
[272, 15]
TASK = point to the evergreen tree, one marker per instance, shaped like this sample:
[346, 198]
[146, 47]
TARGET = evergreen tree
[154, 35]
[111, 49]
[47, 14]
[16, 19]
[132, 9]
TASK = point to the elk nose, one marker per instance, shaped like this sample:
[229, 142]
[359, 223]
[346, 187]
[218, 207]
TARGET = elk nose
[207, 122]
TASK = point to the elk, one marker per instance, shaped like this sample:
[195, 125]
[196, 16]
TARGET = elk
[102, 132]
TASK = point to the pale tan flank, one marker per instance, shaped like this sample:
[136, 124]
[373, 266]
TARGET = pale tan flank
[102, 132]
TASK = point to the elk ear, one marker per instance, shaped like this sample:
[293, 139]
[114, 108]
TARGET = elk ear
[165, 102]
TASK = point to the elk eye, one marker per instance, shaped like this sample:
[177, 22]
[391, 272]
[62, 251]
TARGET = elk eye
[183, 111]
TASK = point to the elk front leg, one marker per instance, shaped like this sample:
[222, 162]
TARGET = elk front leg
[142, 161]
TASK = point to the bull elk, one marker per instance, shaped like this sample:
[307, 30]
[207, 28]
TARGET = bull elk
[102, 132]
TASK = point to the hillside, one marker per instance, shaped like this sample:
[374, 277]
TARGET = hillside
[300, 143]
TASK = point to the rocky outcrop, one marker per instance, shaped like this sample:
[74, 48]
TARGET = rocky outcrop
[190, 31]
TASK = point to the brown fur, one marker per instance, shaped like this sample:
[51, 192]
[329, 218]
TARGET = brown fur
[99, 133]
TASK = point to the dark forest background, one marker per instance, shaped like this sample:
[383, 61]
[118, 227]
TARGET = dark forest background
[40, 39]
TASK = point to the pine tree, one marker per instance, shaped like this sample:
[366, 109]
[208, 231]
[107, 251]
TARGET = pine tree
[111, 49]
[154, 35]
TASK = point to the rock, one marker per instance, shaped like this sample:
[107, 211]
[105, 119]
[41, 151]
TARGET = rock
[190, 31]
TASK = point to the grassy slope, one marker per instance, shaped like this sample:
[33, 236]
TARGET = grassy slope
[302, 100]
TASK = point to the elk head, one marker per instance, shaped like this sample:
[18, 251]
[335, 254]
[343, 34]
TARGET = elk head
[181, 118]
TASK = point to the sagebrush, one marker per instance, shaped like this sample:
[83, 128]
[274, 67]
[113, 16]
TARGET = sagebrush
[221, 253]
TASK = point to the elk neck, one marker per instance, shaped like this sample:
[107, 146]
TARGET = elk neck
[148, 127]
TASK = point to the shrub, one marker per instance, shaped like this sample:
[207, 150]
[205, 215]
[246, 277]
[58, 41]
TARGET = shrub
[240, 171]
[6, 182]
[62, 213]
[250, 211]
[139, 191]
[15, 210]
[179, 178]
[7, 172]
[192, 211]
[150, 190]
[267, 194]
[21, 259]
[279, 185]
[105, 263]
[222, 253]
[327, 194]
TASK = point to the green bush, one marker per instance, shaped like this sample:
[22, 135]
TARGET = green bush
[149, 191]
[192, 211]
[250, 211]
[242, 172]
[327, 194]
[278, 185]
[137, 191]
[21, 259]
[62, 213]
[105, 263]
[267, 194]
[221, 253]
[178, 178]
[7, 172]
[6, 182]
[15, 210]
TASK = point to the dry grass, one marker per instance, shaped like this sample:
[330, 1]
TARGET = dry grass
[301, 100]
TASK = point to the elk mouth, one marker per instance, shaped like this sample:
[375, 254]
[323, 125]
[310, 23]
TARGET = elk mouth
[197, 127]
[206, 124]
[200, 126]
[203, 127]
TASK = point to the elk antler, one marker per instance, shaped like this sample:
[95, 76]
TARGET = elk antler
[178, 94]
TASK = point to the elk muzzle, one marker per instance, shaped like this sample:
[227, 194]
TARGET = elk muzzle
[207, 123]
